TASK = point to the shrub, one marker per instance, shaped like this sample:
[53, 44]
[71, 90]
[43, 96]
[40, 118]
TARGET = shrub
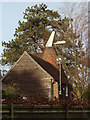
[9, 91]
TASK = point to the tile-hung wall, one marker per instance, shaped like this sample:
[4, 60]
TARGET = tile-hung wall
[89, 43]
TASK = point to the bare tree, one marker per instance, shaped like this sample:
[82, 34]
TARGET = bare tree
[75, 50]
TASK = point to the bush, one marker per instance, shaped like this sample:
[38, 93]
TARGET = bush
[86, 94]
[9, 91]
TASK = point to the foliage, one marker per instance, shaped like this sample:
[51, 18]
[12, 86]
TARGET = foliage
[46, 101]
[9, 91]
[86, 94]
[4, 72]
[32, 33]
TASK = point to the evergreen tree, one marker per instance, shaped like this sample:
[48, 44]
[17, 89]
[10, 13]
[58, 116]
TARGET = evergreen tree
[33, 32]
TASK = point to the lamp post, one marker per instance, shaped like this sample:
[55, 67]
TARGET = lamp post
[59, 61]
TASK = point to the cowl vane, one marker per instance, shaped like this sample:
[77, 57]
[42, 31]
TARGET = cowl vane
[50, 40]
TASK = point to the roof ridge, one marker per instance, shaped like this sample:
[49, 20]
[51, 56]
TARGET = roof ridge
[44, 61]
[29, 55]
[14, 64]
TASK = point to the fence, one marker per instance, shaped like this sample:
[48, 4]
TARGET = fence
[44, 112]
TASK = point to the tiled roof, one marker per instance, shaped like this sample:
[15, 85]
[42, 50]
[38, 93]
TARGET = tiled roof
[53, 71]
[49, 68]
